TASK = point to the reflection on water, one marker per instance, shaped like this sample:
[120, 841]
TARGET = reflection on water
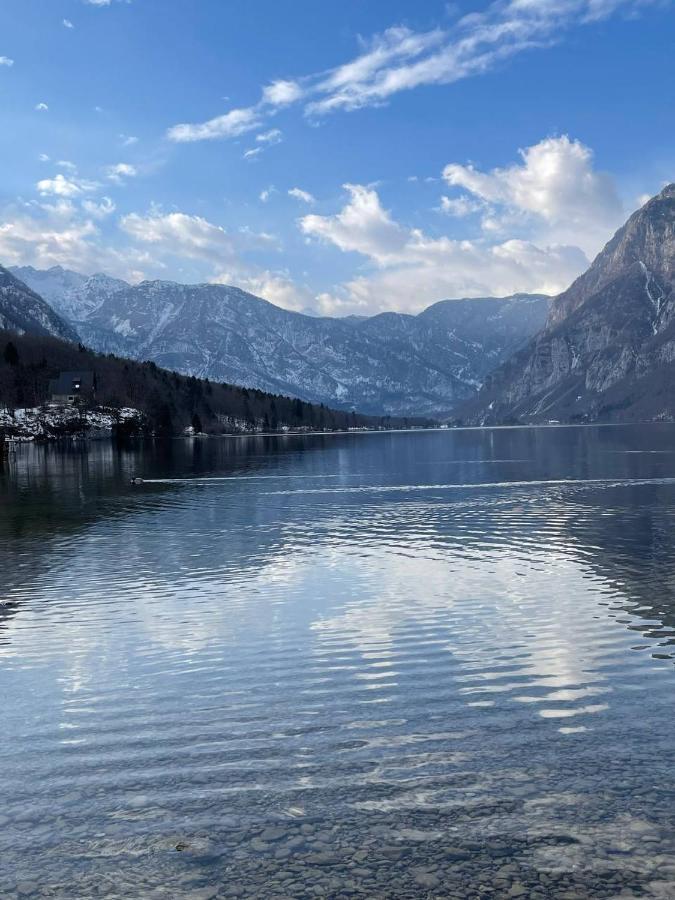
[393, 665]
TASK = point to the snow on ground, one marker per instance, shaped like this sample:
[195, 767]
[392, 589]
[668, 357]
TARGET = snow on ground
[52, 421]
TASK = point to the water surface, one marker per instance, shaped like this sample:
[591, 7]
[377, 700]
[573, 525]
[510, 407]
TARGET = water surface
[432, 664]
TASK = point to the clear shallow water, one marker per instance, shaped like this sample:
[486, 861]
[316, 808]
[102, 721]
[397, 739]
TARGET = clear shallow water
[394, 665]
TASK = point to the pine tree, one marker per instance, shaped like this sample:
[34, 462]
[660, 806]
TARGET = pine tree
[11, 355]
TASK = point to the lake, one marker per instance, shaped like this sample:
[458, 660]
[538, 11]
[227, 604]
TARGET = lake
[416, 664]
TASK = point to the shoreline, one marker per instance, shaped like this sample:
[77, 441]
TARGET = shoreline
[17, 440]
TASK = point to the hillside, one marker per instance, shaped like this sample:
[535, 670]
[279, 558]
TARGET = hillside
[168, 402]
[608, 349]
[390, 364]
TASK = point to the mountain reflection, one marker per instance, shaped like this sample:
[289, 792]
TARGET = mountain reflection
[402, 639]
[281, 498]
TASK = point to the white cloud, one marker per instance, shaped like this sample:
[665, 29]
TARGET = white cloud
[431, 270]
[6, 61]
[267, 193]
[82, 233]
[62, 233]
[264, 140]
[66, 233]
[554, 192]
[67, 23]
[346, 86]
[232, 124]
[60, 186]
[299, 194]
[118, 172]
[101, 209]
[459, 206]
[180, 234]
[256, 239]
[41, 107]
[401, 59]
[410, 269]
[273, 136]
[281, 93]
[67, 164]
[406, 268]
[362, 226]
[43, 157]
[44, 235]
[128, 140]
[277, 287]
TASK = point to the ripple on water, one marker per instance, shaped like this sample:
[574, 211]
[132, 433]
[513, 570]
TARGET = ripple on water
[368, 680]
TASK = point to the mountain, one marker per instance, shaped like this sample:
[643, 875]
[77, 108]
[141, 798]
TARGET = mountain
[165, 401]
[71, 295]
[608, 348]
[25, 312]
[390, 364]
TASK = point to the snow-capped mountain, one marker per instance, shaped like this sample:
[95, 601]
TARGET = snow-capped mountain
[23, 311]
[71, 295]
[387, 364]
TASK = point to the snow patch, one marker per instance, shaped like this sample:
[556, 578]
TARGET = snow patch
[52, 420]
[656, 302]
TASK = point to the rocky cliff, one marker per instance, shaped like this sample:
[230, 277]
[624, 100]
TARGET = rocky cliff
[609, 338]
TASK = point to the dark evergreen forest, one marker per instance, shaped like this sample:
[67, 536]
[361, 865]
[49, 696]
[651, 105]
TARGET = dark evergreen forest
[169, 401]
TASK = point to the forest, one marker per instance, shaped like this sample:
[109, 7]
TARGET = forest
[168, 401]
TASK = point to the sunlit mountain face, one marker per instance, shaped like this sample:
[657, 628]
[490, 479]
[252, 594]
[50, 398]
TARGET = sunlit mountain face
[606, 352]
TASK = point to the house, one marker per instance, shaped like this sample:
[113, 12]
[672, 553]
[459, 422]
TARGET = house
[72, 387]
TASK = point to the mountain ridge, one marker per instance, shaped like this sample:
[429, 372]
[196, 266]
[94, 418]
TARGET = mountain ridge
[24, 311]
[605, 338]
[391, 363]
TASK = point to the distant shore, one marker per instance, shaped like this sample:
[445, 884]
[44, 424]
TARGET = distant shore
[53, 423]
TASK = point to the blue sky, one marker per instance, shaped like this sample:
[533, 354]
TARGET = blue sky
[336, 157]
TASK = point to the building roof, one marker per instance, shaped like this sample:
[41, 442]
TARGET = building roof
[72, 382]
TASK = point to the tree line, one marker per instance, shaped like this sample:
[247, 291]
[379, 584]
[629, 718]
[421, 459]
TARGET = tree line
[169, 402]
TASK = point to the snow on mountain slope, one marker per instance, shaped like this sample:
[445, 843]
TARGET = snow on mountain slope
[388, 364]
[608, 350]
[23, 311]
[71, 295]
